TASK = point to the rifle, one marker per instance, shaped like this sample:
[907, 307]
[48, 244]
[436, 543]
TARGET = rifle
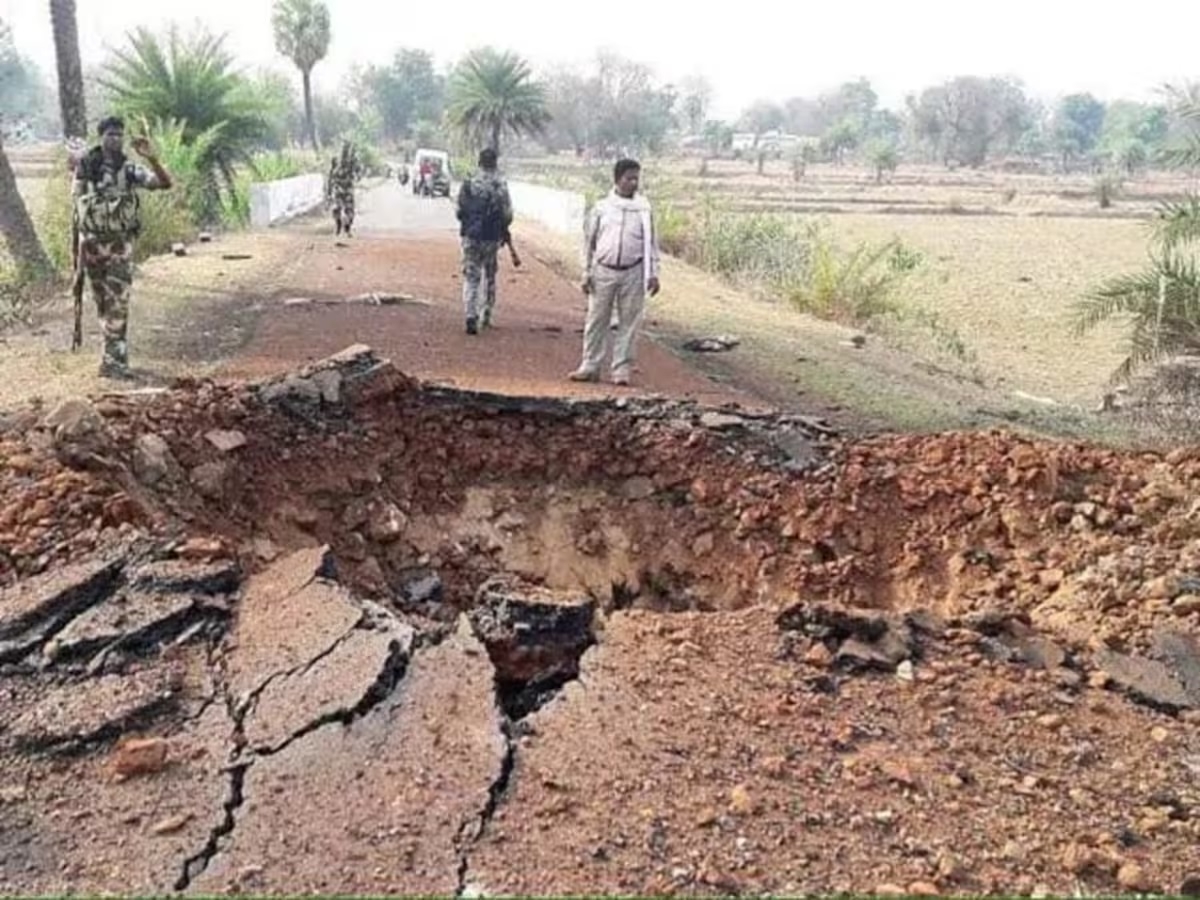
[76, 285]
[512, 251]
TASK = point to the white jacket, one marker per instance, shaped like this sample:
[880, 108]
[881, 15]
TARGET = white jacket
[615, 236]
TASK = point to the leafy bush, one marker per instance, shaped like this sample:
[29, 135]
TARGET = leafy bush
[671, 224]
[1161, 303]
[767, 250]
[790, 258]
[854, 285]
[54, 218]
[166, 219]
[13, 302]
[189, 87]
[904, 259]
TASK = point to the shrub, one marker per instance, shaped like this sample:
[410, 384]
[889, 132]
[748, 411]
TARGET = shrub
[763, 249]
[1108, 188]
[672, 225]
[854, 285]
[54, 218]
[904, 259]
[190, 86]
[166, 219]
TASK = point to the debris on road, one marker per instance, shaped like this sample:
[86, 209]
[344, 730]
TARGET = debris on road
[720, 344]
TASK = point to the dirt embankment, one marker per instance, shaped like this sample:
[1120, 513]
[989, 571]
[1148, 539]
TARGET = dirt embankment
[342, 632]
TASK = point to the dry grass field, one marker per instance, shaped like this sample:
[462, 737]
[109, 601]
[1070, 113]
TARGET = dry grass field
[1004, 256]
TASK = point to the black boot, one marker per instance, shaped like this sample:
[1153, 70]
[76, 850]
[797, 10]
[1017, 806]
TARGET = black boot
[472, 325]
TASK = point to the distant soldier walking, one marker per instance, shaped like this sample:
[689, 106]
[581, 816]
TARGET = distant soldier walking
[485, 213]
[620, 266]
[344, 171]
[107, 220]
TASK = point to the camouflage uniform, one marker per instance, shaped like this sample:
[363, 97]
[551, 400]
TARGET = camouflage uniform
[482, 235]
[343, 173]
[107, 260]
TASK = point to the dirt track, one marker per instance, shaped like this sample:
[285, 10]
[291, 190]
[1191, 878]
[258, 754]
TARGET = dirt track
[341, 632]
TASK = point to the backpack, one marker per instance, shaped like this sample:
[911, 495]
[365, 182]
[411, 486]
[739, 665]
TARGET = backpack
[481, 220]
[109, 212]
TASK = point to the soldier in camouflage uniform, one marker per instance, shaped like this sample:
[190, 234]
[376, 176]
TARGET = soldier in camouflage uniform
[339, 190]
[107, 219]
[485, 213]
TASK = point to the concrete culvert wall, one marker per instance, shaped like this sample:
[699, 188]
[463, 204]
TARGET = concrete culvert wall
[342, 632]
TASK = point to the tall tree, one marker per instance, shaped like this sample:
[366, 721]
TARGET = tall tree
[405, 93]
[302, 34]
[17, 227]
[70, 69]
[633, 111]
[968, 119]
[574, 103]
[1133, 132]
[853, 105]
[493, 93]
[1078, 121]
[839, 140]
[695, 97]
[760, 117]
[275, 94]
[24, 93]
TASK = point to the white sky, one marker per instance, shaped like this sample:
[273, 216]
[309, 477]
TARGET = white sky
[771, 49]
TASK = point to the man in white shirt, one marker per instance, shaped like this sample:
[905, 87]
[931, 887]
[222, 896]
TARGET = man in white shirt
[620, 267]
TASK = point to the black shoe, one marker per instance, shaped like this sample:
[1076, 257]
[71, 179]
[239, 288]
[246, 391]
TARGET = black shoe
[472, 326]
[116, 371]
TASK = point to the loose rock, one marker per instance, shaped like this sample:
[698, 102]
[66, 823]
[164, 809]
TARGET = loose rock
[226, 441]
[137, 757]
[153, 461]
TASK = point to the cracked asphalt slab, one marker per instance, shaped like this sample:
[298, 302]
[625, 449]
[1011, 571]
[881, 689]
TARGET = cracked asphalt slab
[385, 804]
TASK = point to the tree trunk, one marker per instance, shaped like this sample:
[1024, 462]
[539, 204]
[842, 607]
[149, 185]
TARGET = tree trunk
[70, 71]
[497, 126]
[17, 228]
[306, 76]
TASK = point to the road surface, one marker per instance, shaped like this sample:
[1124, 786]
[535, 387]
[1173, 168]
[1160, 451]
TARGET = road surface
[408, 245]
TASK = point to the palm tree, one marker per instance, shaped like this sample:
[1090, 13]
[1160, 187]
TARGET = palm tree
[1162, 302]
[302, 35]
[492, 93]
[70, 71]
[191, 82]
[17, 228]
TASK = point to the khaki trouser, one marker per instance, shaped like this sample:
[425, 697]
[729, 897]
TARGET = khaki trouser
[624, 290]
